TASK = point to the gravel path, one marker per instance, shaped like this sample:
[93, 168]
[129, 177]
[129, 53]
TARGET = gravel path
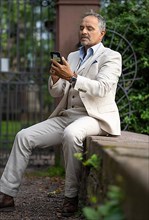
[33, 202]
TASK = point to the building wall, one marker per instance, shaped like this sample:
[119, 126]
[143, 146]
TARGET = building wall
[69, 13]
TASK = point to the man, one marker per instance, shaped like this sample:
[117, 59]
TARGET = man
[87, 83]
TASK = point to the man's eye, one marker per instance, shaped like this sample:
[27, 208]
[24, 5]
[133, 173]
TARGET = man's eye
[81, 28]
[90, 29]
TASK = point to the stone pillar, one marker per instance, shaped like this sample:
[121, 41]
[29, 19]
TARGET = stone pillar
[68, 17]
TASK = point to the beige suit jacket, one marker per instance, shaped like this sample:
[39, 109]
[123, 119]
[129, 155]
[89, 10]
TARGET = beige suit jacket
[97, 82]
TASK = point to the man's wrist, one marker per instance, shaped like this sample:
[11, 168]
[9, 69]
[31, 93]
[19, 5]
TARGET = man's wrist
[73, 79]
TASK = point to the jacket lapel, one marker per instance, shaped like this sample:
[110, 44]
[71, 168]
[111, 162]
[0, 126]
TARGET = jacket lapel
[75, 65]
[84, 68]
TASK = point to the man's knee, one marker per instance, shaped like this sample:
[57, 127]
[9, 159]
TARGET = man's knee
[21, 135]
[23, 140]
[68, 135]
[72, 137]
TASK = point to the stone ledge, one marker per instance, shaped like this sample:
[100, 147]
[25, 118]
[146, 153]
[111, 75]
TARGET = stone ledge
[126, 156]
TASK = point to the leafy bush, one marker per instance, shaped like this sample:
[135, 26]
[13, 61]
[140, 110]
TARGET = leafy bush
[93, 161]
[131, 19]
[111, 209]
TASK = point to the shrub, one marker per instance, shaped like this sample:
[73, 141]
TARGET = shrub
[131, 19]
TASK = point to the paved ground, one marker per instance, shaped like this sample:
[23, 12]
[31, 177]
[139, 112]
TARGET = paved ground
[33, 203]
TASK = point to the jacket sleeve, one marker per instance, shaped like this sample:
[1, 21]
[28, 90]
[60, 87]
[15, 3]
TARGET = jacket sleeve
[57, 89]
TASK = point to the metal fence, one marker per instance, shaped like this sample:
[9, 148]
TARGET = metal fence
[26, 39]
[120, 43]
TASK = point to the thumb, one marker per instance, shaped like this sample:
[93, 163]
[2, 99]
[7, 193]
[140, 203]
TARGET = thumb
[65, 61]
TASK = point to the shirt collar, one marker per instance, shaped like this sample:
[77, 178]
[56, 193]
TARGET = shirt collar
[90, 51]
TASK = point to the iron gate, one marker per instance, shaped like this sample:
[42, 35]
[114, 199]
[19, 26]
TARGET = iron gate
[26, 39]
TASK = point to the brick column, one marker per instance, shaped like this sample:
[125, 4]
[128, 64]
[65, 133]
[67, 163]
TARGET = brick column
[68, 16]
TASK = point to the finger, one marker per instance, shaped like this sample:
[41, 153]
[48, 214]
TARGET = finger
[52, 71]
[55, 63]
[65, 61]
[55, 68]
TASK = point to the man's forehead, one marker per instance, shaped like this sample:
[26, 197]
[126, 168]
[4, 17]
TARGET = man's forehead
[89, 20]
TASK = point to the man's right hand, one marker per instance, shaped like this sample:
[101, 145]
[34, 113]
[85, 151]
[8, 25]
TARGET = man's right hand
[54, 77]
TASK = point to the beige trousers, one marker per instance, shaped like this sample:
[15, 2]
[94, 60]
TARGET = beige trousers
[70, 130]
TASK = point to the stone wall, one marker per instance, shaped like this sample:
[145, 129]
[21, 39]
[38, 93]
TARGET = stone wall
[124, 162]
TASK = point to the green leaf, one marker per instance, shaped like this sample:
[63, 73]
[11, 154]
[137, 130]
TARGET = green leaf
[91, 214]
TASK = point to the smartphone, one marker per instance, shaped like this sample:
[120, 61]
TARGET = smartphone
[57, 57]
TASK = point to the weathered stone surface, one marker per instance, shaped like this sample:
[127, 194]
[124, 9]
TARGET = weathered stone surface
[124, 158]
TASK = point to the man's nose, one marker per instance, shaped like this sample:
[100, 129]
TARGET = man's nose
[84, 31]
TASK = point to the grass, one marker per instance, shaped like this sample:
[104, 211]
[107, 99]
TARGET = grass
[10, 127]
[52, 171]
[8, 130]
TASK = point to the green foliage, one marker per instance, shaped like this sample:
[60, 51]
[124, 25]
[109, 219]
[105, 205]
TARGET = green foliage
[7, 132]
[79, 156]
[141, 115]
[93, 161]
[111, 209]
[56, 171]
[22, 24]
[131, 20]
[52, 171]
[26, 40]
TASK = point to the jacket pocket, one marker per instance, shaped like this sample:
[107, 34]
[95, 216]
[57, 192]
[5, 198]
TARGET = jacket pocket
[107, 108]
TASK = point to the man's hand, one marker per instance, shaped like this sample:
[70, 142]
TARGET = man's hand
[61, 71]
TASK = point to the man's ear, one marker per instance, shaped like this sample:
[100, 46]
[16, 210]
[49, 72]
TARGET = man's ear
[103, 33]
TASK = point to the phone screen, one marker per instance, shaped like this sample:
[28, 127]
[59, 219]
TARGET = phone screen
[57, 57]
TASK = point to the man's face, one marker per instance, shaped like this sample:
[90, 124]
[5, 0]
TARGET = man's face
[90, 34]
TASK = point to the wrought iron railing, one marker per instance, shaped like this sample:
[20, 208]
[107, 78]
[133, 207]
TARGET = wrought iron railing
[26, 39]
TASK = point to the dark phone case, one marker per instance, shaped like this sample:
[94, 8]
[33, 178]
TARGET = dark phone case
[56, 56]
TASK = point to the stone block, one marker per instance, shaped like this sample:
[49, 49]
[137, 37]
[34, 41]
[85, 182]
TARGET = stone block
[124, 162]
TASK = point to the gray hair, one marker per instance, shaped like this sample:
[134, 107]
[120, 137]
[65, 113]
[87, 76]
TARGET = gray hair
[101, 20]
